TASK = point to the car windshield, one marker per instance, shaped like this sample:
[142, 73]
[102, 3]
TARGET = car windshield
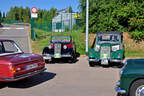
[108, 38]
[60, 39]
[9, 47]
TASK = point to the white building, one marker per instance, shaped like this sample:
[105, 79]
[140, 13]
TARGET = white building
[63, 21]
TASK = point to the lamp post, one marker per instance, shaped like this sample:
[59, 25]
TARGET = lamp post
[87, 25]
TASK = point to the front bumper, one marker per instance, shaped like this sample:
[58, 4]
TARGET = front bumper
[119, 90]
[93, 60]
[23, 76]
[48, 56]
[110, 60]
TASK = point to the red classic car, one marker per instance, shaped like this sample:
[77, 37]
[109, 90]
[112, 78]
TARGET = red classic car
[15, 64]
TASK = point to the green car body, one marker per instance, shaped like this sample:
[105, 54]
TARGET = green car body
[131, 78]
[103, 48]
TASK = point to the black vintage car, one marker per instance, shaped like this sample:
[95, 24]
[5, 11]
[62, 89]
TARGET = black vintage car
[60, 46]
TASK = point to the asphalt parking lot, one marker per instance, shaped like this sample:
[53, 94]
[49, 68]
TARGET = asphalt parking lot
[64, 79]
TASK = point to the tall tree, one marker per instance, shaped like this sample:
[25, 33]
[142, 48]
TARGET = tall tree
[70, 10]
[0, 17]
[111, 15]
[3, 17]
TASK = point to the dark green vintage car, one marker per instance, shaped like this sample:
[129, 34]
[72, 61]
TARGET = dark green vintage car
[107, 47]
[131, 81]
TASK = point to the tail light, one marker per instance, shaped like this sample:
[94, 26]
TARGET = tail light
[15, 69]
[51, 46]
[18, 69]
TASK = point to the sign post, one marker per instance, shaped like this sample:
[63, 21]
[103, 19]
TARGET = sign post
[87, 25]
[33, 15]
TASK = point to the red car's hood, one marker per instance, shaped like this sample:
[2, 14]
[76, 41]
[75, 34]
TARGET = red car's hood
[18, 58]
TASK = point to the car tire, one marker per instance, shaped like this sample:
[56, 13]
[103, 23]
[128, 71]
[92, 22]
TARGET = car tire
[91, 64]
[46, 61]
[120, 94]
[73, 58]
[135, 87]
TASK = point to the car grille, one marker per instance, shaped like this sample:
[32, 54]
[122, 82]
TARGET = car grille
[57, 48]
[105, 50]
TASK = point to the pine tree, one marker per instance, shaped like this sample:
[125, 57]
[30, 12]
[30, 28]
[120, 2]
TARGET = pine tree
[70, 9]
[0, 17]
[3, 17]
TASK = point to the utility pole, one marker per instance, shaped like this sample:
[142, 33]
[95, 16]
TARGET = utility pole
[87, 25]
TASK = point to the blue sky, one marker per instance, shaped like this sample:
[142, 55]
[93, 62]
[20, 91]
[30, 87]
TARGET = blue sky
[5, 5]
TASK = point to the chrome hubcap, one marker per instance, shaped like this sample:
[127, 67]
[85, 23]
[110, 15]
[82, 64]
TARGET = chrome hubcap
[140, 91]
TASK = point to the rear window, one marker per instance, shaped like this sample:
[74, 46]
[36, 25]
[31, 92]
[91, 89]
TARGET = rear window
[9, 47]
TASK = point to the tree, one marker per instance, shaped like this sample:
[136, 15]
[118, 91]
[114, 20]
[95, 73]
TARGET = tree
[114, 15]
[3, 17]
[0, 17]
[70, 10]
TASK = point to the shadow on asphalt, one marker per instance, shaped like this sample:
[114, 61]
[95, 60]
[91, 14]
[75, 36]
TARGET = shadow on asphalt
[30, 82]
[111, 65]
[63, 61]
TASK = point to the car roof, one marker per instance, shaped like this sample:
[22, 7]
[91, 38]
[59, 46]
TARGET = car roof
[110, 32]
[1, 39]
[60, 36]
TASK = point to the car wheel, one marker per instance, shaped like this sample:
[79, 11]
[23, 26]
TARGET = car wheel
[73, 58]
[91, 64]
[120, 94]
[137, 88]
[46, 61]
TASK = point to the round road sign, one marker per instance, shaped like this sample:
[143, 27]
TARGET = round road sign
[34, 10]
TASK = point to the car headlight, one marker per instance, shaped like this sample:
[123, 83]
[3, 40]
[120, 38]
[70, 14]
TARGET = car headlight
[97, 47]
[50, 47]
[122, 69]
[115, 48]
[65, 46]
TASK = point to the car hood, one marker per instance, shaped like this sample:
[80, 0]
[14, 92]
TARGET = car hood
[108, 44]
[19, 58]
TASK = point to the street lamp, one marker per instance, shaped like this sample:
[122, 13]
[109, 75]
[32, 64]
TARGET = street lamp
[87, 25]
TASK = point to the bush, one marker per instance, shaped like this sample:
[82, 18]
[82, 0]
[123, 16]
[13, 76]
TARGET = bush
[137, 35]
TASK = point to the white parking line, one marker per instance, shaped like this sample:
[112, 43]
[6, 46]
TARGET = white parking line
[5, 28]
[19, 28]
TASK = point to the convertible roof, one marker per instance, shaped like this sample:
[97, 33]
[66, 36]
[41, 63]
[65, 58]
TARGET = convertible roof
[110, 32]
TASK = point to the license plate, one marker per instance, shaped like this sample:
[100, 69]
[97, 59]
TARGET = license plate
[57, 55]
[31, 66]
[105, 56]
[104, 62]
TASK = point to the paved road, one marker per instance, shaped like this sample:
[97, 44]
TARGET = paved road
[63, 79]
[20, 34]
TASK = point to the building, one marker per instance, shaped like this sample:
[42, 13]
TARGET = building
[63, 21]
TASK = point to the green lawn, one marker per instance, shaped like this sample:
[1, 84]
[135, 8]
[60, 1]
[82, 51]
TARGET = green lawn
[132, 49]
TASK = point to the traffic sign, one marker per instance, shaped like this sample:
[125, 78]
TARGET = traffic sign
[34, 10]
[34, 15]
